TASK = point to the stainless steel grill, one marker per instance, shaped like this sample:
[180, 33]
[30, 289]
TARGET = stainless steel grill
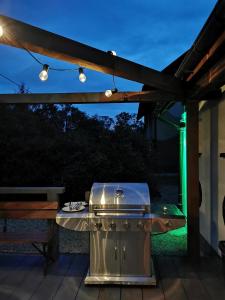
[120, 220]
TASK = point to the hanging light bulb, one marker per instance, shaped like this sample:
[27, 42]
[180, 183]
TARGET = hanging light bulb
[44, 73]
[1, 31]
[82, 76]
[112, 52]
[108, 93]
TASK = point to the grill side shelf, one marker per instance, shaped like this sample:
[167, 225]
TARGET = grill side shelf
[166, 217]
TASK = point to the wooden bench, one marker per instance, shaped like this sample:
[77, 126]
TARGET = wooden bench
[33, 210]
[51, 193]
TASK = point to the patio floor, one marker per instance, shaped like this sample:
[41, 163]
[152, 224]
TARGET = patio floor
[21, 277]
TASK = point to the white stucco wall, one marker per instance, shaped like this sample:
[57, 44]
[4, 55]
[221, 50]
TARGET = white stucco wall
[212, 172]
[221, 169]
[204, 175]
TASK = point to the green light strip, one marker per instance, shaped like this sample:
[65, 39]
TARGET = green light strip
[183, 163]
[183, 174]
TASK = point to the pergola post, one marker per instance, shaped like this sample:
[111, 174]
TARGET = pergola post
[193, 181]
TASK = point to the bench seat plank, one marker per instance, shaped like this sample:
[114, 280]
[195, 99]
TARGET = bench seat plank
[34, 210]
[32, 205]
[24, 237]
[28, 214]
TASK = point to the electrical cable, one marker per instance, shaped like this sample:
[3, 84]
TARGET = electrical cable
[50, 68]
[10, 80]
[38, 61]
[114, 82]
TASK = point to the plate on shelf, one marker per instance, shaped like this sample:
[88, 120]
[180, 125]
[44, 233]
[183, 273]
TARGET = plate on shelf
[73, 209]
[83, 203]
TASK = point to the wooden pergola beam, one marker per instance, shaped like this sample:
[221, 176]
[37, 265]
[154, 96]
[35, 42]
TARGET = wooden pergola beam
[22, 35]
[193, 239]
[82, 98]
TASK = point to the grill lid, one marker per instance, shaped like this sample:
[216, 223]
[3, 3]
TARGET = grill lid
[120, 195]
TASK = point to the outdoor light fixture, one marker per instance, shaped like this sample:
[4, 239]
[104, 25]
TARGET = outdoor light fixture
[108, 93]
[44, 73]
[1, 31]
[112, 52]
[82, 76]
[183, 161]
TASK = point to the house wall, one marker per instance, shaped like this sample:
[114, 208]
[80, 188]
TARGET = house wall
[166, 146]
[212, 171]
[204, 174]
[165, 131]
[221, 170]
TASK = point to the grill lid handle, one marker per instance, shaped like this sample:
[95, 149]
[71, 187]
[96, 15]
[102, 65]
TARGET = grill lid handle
[119, 193]
[120, 210]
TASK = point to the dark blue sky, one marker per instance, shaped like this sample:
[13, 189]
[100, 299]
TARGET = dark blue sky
[149, 32]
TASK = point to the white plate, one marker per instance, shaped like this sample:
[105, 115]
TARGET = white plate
[67, 209]
[75, 203]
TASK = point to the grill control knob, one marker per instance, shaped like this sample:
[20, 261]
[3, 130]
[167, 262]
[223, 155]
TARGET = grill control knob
[126, 225]
[98, 225]
[140, 225]
[112, 225]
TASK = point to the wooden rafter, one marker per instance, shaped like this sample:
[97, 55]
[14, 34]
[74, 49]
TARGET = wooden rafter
[22, 35]
[212, 80]
[212, 50]
[79, 98]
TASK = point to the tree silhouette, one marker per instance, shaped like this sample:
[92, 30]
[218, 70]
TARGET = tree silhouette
[60, 145]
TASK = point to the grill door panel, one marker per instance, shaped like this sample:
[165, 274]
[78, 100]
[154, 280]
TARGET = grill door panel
[104, 253]
[135, 254]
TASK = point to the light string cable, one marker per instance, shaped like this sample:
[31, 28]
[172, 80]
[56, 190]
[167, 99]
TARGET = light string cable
[82, 77]
[10, 35]
[113, 75]
[41, 63]
[110, 92]
[10, 80]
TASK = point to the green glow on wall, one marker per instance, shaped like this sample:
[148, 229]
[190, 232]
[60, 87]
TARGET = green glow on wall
[179, 232]
[183, 163]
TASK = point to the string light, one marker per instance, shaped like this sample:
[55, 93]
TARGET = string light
[112, 52]
[108, 93]
[1, 31]
[82, 76]
[44, 73]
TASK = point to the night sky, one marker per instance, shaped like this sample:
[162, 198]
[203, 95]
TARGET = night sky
[149, 32]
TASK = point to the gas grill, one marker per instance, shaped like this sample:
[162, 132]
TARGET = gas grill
[120, 221]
